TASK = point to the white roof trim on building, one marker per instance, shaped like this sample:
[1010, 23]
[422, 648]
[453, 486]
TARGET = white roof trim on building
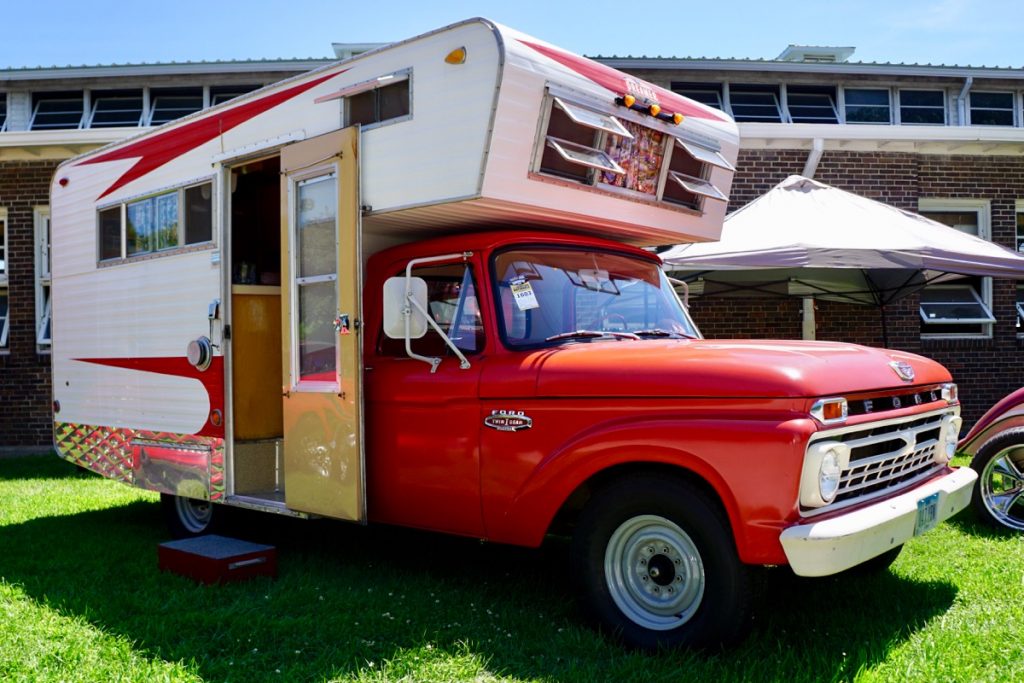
[170, 69]
[850, 68]
[987, 140]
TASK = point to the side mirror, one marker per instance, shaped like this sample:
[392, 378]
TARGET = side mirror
[395, 306]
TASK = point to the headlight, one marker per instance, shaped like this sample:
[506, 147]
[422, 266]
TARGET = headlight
[823, 472]
[950, 393]
[828, 476]
[949, 434]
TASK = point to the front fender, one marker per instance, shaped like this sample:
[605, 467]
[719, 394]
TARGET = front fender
[1007, 413]
[752, 466]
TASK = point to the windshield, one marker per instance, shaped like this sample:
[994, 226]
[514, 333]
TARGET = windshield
[556, 295]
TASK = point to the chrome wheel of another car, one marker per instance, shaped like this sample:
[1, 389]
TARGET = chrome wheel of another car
[1000, 492]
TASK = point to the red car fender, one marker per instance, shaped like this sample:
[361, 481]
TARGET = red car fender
[1007, 413]
[728, 455]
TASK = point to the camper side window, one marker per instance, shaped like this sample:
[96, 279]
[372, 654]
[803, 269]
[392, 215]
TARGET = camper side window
[591, 147]
[162, 222]
[384, 102]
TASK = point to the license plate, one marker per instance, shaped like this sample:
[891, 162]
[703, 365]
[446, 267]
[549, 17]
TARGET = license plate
[927, 514]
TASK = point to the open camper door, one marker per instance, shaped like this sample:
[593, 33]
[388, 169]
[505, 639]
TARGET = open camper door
[323, 454]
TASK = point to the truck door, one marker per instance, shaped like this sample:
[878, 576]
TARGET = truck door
[323, 450]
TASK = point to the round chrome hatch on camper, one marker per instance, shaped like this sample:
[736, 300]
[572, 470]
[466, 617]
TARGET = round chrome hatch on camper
[200, 353]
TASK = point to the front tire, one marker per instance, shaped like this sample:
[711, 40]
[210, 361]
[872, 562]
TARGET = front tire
[657, 565]
[999, 491]
[187, 517]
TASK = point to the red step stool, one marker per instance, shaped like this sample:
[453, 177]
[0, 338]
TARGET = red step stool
[217, 559]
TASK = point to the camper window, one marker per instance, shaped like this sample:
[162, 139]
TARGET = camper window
[385, 100]
[157, 223]
[572, 142]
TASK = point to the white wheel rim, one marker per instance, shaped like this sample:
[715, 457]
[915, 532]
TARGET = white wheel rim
[195, 515]
[654, 572]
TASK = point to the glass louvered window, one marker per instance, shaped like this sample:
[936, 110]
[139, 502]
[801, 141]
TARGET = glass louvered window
[114, 109]
[223, 93]
[811, 106]
[867, 105]
[168, 104]
[991, 108]
[754, 104]
[54, 111]
[922, 107]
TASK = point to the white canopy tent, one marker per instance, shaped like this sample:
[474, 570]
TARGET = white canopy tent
[805, 238]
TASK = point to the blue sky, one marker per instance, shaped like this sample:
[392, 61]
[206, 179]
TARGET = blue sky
[63, 32]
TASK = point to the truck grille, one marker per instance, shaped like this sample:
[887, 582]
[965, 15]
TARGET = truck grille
[886, 457]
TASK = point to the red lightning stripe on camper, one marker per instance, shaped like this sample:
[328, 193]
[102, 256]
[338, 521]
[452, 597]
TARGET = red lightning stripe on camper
[154, 151]
[619, 83]
[212, 379]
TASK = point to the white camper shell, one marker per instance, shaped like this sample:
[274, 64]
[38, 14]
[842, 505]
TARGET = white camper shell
[183, 258]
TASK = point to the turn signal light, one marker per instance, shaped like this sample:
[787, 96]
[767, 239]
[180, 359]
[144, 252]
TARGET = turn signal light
[830, 410]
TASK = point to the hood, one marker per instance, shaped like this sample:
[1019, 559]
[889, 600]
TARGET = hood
[721, 369]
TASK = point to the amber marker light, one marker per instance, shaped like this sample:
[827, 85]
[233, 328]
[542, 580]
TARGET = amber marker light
[830, 410]
[456, 56]
[677, 118]
[655, 109]
[628, 100]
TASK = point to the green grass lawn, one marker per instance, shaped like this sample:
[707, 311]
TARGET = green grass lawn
[81, 599]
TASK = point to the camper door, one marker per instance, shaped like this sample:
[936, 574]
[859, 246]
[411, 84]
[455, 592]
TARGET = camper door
[323, 454]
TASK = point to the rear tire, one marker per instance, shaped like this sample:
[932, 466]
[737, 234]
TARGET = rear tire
[657, 566]
[187, 517]
[999, 492]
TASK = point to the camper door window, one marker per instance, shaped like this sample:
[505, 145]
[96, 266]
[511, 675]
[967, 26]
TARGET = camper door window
[162, 222]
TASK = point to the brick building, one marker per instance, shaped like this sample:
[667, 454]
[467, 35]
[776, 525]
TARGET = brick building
[945, 141]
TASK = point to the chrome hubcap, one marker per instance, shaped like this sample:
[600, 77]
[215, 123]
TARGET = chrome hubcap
[1002, 487]
[654, 572]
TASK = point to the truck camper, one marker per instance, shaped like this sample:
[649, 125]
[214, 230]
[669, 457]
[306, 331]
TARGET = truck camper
[410, 288]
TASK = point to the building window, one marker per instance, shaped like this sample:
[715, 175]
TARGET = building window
[168, 104]
[3, 248]
[3, 111]
[923, 107]
[708, 94]
[1020, 225]
[116, 108]
[963, 308]
[156, 223]
[754, 103]
[222, 93]
[52, 111]
[383, 99]
[811, 105]
[42, 266]
[991, 108]
[5, 322]
[867, 105]
[1020, 308]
